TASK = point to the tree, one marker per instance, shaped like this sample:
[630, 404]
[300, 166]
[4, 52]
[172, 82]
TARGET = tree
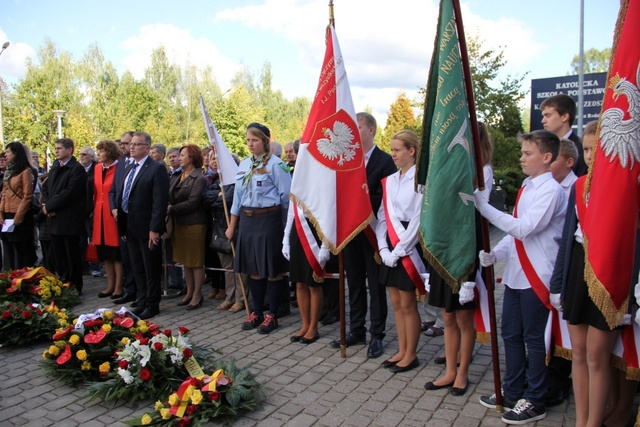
[595, 61]
[400, 117]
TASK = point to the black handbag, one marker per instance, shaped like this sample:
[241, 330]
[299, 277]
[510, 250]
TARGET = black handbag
[219, 241]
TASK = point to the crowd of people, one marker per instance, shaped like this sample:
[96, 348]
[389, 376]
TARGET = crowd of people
[144, 216]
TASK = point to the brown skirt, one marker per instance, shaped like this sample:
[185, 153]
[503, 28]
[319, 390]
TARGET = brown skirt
[188, 244]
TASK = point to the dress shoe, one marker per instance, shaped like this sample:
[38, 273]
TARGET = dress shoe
[138, 311]
[184, 302]
[296, 338]
[329, 320]
[117, 296]
[194, 306]
[459, 391]
[134, 304]
[125, 299]
[351, 340]
[375, 348]
[388, 364]
[397, 368]
[104, 294]
[149, 312]
[315, 338]
[431, 386]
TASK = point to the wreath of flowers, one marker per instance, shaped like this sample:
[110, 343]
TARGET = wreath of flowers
[36, 285]
[22, 323]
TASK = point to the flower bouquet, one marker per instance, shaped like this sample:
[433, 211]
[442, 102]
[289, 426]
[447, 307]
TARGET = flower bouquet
[149, 368]
[36, 285]
[22, 323]
[86, 351]
[219, 397]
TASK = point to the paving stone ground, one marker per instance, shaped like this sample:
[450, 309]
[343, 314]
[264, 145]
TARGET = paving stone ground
[307, 385]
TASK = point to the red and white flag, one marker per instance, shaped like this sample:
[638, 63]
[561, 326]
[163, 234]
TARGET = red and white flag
[613, 191]
[330, 182]
[227, 167]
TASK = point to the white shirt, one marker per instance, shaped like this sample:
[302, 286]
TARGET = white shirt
[406, 202]
[135, 171]
[541, 212]
[568, 182]
[367, 155]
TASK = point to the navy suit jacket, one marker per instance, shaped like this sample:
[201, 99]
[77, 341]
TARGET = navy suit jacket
[379, 166]
[580, 166]
[147, 201]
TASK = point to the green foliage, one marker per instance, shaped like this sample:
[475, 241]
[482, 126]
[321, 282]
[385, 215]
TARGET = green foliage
[595, 61]
[400, 117]
[506, 161]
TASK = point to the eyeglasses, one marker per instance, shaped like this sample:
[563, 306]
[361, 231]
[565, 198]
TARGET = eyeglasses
[84, 154]
[124, 143]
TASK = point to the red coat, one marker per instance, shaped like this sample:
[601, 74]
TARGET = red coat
[104, 225]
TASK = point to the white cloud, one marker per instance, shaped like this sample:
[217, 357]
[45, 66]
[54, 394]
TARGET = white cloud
[181, 47]
[13, 59]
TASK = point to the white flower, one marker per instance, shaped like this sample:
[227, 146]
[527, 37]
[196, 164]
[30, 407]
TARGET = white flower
[125, 375]
[145, 353]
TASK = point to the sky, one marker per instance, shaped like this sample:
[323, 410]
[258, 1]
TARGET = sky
[386, 45]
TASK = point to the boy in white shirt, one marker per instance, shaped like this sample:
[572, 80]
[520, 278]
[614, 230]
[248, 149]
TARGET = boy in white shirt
[530, 248]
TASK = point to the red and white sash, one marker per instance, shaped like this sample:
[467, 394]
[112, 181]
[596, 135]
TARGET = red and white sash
[308, 242]
[413, 264]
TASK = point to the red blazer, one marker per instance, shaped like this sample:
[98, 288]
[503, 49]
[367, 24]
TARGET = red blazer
[104, 225]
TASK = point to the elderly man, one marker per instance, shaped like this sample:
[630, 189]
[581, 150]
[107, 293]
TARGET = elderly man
[87, 159]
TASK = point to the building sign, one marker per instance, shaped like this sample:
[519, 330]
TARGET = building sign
[593, 90]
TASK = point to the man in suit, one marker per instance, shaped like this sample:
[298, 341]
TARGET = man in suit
[141, 210]
[130, 289]
[360, 264]
[63, 200]
[558, 115]
[87, 158]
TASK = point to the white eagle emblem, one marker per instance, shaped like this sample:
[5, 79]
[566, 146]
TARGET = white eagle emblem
[621, 137]
[338, 144]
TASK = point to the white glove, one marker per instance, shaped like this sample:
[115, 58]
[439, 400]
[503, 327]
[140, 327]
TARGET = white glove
[323, 256]
[286, 251]
[555, 301]
[487, 258]
[427, 285]
[481, 198]
[466, 292]
[626, 320]
[388, 259]
[636, 292]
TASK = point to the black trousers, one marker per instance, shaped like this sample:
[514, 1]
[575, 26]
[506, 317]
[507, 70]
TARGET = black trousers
[147, 267]
[362, 270]
[67, 258]
[130, 287]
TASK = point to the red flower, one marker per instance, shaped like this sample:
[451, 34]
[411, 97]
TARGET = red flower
[63, 333]
[183, 330]
[184, 422]
[125, 322]
[139, 336]
[194, 382]
[167, 332]
[157, 346]
[145, 374]
[65, 356]
[39, 312]
[152, 326]
[123, 364]
[155, 332]
[95, 337]
[6, 314]
[214, 396]
[26, 315]
[191, 409]
[34, 290]
[91, 323]
[144, 341]
[187, 353]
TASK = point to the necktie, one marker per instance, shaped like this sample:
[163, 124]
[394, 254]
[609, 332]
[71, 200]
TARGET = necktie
[127, 188]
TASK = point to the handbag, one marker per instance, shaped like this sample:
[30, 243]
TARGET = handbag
[219, 241]
[92, 253]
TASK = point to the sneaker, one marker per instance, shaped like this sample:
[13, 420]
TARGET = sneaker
[524, 412]
[270, 323]
[96, 273]
[490, 402]
[252, 322]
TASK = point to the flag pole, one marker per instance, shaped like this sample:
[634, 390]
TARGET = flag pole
[484, 224]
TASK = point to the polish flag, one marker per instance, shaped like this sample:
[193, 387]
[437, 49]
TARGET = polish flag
[330, 183]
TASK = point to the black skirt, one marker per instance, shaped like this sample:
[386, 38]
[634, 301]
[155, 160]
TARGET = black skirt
[578, 308]
[22, 232]
[299, 269]
[397, 277]
[108, 253]
[442, 296]
[259, 244]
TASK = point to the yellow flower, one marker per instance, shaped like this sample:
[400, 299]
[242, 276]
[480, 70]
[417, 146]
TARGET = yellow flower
[105, 367]
[74, 339]
[146, 419]
[166, 413]
[158, 406]
[106, 327]
[188, 392]
[54, 351]
[85, 366]
[124, 340]
[75, 321]
[81, 355]
[174, 400]
[45, 355]
[60, 343]
[143, 328]
[109, 315]
[196, 397]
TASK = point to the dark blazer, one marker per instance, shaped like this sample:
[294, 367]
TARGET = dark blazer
[561, 266]
[147, 201]
[63, 193]
[380, 165]
[580, 166]
[118, 181]
[186, 199]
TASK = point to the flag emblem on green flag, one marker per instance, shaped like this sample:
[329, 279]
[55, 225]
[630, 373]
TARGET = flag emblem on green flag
[445, 163]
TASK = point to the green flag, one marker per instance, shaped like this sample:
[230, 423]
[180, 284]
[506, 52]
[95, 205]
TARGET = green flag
[445, 163]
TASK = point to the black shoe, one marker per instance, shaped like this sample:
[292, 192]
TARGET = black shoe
[397, 368]
[252, 322]
[555, 397]
[295, 338]
[350, 340]
[270, 323]
[117, 296]
[430, 386]
[149, 312]
[440, 360]
[134, 304]
[459, 391]
[375, 349]
[329, 320]
[104, 295]
[388, 364]
[138, 311]
[125, 299]
[194, 306]
[304, 340]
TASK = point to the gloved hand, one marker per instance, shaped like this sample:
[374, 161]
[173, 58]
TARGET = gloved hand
[626, 320]
[466, 292]
[636, 293]
[555, 301]
[286, 251]
[388, 259]
[487, 258]
[425, 278]
[481, 198]
[323, 256]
